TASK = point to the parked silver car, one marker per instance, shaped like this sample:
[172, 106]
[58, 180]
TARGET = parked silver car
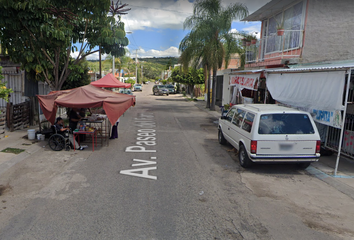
[160, 90]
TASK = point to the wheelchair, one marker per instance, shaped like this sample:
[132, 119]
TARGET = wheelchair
[59, 141]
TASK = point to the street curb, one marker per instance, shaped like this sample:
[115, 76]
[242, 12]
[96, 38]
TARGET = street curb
[342, 187]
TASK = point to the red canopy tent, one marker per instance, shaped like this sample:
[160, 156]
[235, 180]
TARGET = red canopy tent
[109, 81]
[114, 104]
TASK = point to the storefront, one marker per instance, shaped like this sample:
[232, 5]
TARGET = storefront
[324, 91]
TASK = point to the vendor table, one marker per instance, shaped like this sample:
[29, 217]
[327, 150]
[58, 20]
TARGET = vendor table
[93, 135]
[103, 130]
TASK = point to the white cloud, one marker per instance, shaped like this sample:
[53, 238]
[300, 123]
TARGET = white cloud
[163, 14]
[157, 14]
[94, 56]
[141, 53]
[168, 13]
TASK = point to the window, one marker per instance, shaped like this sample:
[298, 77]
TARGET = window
[285, 123]
[238, 118]
[248, 122]
[292, 19]
[230, 114]
[273, 41]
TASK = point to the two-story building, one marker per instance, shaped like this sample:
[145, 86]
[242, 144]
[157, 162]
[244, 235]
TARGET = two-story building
[304, 59]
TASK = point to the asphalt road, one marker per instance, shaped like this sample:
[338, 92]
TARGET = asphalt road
[165, 177]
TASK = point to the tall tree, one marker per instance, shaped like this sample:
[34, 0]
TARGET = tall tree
[191, 77]
[42, 34]
[210, 27]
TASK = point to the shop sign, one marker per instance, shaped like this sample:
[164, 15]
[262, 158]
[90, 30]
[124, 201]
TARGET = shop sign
[244, 81]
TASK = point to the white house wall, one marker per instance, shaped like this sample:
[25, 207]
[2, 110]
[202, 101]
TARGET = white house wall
[329, 27]
[226, 96]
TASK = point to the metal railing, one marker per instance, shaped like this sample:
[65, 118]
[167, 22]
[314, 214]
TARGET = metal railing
[333, 134]
[274, 46]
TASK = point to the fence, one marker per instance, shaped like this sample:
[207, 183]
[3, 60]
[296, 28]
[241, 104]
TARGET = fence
[2, 122]
[333, 134]
[19, 116]
[15, 81]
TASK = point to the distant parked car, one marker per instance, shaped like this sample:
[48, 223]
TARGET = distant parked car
[268, 133]
[138, 87]
[160, 90]
[171, 88]
[125, 91]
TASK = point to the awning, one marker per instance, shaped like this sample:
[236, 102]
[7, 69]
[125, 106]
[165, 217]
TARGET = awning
[268, 10]
[109, 81]
[320, 93]
[114, 104]
[247, 81]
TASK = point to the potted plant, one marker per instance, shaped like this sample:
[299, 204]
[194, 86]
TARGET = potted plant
[280, 28]
[253, 41]
[243, 40]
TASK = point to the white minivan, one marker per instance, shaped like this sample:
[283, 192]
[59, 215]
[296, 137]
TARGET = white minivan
[270, 133]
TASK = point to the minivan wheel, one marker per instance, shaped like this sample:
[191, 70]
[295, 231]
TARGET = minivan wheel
[303, 165]
[221, 138]
[245, 162]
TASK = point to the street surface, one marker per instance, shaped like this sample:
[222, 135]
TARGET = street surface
[166, 177]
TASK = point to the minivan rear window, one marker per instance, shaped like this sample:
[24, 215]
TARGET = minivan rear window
[285, 123]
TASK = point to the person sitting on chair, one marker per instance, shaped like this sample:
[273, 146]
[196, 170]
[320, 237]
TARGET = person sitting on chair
[59, 127]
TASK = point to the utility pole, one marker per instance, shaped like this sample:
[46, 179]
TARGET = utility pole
[99, 55]
[136, 65]
[141, 73]
[113, 67]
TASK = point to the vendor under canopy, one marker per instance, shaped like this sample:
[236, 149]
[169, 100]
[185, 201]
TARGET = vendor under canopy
[89, 96]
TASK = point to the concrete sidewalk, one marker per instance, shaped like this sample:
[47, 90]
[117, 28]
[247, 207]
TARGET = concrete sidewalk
[18, 139]
[323, 169]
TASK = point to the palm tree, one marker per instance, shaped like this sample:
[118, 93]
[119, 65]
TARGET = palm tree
[210, 27]
[119, 62]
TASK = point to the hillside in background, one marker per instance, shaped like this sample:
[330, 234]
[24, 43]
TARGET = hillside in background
[152, 67]
[163, 61]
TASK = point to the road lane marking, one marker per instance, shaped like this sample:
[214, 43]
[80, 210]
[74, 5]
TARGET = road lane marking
[145, 136]
[144, 172]
[143, 162]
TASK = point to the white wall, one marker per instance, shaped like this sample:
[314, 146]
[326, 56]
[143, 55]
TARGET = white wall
[226, 96]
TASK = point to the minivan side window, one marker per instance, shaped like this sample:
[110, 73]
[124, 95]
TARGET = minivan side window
[248, 122]
[230, 114]
[238, 117]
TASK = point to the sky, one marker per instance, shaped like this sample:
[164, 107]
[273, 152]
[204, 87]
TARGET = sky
[155, 27]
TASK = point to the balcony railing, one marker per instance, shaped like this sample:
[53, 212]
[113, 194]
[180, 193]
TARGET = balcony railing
[276, 47]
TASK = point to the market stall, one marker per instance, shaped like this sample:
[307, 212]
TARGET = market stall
[242, 85]
[89, 96]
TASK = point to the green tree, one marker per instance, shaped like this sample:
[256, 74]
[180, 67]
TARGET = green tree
[42, 34]
[131, 81]
[190, 78]
[120, 62]
[4, 91]
[78, 76]
[210, 27]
